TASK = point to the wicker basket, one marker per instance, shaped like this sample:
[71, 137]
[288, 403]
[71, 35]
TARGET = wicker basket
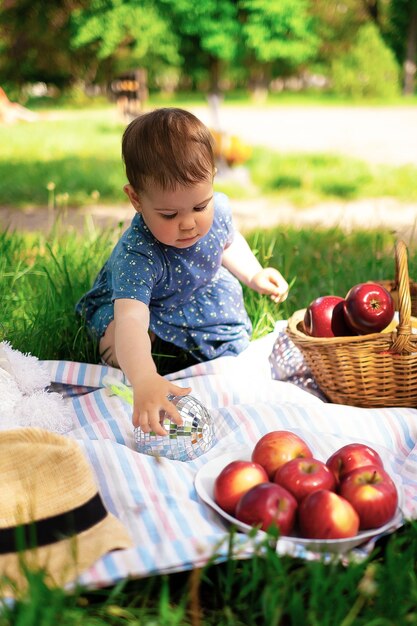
[392, 287]
[376, 370]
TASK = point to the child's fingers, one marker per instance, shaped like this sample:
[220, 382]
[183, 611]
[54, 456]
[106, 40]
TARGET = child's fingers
[171, 409]
[280, 297]
[280, 287]
[269, 281]
[149, 421]
[157, 427]
[179, 391]
[281, 284]
[173, 413]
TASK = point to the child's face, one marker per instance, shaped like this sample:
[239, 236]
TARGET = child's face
[176, 218]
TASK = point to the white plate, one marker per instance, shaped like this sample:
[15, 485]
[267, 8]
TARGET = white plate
[204, 484]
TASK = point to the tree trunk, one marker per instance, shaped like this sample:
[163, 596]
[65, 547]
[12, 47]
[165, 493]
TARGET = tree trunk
[214, 95]
[259, 81]
[215, 74]
[411, 53]
[372, 9]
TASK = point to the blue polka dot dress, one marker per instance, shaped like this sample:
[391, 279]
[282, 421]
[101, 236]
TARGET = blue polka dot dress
[194, 302]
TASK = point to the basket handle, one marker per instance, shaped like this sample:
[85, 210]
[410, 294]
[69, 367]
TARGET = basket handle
[402, 342]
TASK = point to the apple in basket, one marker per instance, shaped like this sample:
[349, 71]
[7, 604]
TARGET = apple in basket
[267, 505]
[350, 457]
[324, 514]
[278, 447]
[372, 493]
[234, 480]
[368, 308]
[303, 476]
[324, 317]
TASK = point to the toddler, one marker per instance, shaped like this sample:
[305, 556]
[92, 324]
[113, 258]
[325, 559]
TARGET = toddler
[174, 274]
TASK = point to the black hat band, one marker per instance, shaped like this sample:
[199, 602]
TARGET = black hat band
[52, 529]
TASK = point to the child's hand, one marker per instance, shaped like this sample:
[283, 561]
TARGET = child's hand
[270, 282]
[150, 397]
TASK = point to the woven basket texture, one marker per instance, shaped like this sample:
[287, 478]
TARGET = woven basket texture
[392, 287]
[375, 370]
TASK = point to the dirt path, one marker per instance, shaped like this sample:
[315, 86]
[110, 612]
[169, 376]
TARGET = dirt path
[381, 134]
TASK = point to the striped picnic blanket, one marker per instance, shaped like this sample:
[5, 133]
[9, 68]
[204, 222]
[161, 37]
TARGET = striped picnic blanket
[156, 499]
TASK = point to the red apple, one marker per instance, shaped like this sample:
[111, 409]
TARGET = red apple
[276, 448]
[372, 493]
[303, 476]
[324, 317]
[351, 456]
[326, 515]
[368, 308]
[234, 480]
[266, 505]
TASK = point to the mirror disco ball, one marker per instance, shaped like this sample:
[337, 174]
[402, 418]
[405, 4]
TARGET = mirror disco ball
[182, 443]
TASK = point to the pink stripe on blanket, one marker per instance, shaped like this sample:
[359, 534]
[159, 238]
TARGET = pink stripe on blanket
[151, 489]
[252, 431]
[71, 378]
[95, 417]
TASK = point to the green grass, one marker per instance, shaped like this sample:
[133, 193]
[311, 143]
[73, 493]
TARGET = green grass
[266, 590]
[79, 152]
[306, 98]
[307, 179]
[41, 278]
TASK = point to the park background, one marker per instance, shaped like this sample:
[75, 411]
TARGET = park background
[326, 89]
[301, 71]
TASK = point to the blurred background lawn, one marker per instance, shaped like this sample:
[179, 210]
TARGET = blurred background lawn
[76, 152]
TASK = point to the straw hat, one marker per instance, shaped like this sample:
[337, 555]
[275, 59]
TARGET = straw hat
[51, 514]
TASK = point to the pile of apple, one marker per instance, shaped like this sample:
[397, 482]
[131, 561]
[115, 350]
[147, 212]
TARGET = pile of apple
[367, 308]
[284, 486]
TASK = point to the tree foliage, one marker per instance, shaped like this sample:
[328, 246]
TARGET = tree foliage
[401, 34]
[279, 31]
[206, 44]
[35, 41]
[125, 32]
[369, 69]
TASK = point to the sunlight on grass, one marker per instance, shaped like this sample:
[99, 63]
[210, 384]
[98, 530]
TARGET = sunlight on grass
[40, 281]
[305, 98]
[80, 151]
[306, 179]
[42, 277]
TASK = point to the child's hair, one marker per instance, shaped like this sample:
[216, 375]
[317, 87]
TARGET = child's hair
[168, 147]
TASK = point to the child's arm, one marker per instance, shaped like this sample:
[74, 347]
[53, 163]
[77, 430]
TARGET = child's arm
[133, 352]
[239, 259]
